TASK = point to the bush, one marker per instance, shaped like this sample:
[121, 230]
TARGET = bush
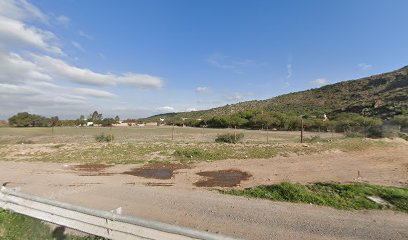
[104, 138]
[313, 139]
[375, 132]
[229, 138]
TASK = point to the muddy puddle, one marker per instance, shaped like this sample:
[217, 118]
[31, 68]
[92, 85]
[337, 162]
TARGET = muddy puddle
[222, 178]
[94, 169]
[159, 184]
[91, 167]
[156, 171]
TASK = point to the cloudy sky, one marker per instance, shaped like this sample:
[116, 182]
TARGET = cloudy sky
[138, 58]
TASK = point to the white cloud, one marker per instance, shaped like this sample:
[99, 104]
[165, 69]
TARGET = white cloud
[217, 60]
[10, 89]
[21, 10]
[237, 96]
[320, 81]
[59, 69]
[78, 46]
[364, 66]
[139, 80]
[15, 69]
[290, 70]
[95, 93]
[85, 35]
[13, 32]
[191, 109]
[166, 109]
[225, 62]
[203, 90]
[63, 20]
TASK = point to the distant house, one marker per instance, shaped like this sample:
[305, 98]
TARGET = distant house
[89, 124]
[121, 124]
[151, 124]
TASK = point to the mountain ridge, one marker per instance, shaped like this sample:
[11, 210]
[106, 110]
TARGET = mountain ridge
[381, 95]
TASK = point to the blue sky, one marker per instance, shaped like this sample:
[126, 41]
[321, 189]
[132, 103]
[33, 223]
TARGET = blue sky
[138, 58]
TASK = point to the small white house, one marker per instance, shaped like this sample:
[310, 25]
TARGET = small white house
[89, 124]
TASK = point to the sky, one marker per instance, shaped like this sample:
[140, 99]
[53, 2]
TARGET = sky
[138, 58]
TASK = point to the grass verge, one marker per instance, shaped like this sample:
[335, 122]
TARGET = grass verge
[341, 196]
[14, 226]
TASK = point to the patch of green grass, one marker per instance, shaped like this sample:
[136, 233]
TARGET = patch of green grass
[341, 196]
[126, 153]
[14, 226]
[356, 144]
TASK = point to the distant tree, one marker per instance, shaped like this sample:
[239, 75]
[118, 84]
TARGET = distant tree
[54, 121]
[24, 119]
[107, 122]
[95, 117]
[117, 119]
[237, 121]
[80, 121]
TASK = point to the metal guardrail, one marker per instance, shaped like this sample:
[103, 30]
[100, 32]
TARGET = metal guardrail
[100, 223]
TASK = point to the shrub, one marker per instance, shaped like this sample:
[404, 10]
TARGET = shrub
[229, 138]
[313, 139]
[375, 132]
[104, 138]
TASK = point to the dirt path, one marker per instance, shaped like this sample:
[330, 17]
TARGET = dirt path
[177, 200]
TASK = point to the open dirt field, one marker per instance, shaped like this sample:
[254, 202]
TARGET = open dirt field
[176, 191]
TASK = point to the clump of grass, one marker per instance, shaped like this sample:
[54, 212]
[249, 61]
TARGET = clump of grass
[229, 138]
[196, 153]
[104, 138]
[314, 139]
[14, 226]
[25, 141]
[341, 196]
[58, 146]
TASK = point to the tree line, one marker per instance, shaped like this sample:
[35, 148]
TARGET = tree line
[25, 119]
[343, 122]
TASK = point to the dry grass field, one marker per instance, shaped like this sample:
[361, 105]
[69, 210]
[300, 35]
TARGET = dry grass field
[163, 144]
[156, 177]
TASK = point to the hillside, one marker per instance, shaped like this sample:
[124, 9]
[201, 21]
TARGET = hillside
[382, 95]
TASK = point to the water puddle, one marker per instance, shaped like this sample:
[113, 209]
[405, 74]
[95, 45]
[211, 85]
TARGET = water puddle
[222, 178]
[156, 171]
[91, 167]
[150, 184]
[94, 169]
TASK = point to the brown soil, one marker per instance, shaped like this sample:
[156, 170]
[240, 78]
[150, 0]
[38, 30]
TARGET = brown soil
[222, 178]
[156, 171]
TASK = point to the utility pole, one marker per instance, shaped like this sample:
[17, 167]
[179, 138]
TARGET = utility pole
[301, 130]
[172, 133]
[235, 134]
[267, 134]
